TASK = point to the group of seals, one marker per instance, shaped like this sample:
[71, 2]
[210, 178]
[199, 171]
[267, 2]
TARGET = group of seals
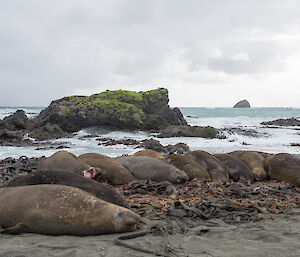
[215, 168]
[236, 168]
[67, 178]
[189, 166]
[65, 161]
[61, 198]
[255, 162]
[61, 210]
[86, 207]
[111, 171]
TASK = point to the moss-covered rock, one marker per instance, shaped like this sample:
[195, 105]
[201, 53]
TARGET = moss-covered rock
[189, 131]
[120, 109]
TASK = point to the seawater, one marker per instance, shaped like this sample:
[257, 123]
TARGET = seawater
[271, 140]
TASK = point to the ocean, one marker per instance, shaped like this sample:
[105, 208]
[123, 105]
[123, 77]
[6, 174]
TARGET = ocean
[272, 140]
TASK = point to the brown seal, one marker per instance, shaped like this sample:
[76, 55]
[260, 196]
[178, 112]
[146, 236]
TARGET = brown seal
[235, 167]
[144, 167]
[150, 153]
[255, 162]
[61, 210]
[111, 171]
[188, 165]
[284, 167]
[69, 179]
[216, 170]
[65, 161]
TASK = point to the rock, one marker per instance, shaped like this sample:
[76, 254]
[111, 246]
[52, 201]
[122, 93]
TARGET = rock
[119, 109]
[282, 122]
[242, 104]
[46, 132]
[153, 145]
[188, 131]
[15, 121]
[8, 135]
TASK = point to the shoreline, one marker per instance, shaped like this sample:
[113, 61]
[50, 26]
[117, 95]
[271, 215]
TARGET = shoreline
[274, 235]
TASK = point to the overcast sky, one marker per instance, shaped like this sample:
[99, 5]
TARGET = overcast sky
[206, 52]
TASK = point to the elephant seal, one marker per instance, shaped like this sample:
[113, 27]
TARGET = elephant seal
[255, 162]
[61, 210]
[69, 179]
[144, 167]
[284, 167]
[235, 167]
[111, 171]
[65, 161]
[150, 153]
[188, 165]
[215, 169]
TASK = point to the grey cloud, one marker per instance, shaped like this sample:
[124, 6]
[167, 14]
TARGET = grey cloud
[49, 49]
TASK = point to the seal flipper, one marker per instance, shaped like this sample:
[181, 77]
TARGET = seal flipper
[17, 229]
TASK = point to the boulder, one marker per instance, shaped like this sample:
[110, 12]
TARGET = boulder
[46, 132]
[283, 122]
[118, 109]
[188, 131]
[15, 121]
[242, 104]
[152, 144]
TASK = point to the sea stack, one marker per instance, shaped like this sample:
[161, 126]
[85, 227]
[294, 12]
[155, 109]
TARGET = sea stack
[242, 104]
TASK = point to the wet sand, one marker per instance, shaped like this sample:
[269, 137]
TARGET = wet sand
[274, 235]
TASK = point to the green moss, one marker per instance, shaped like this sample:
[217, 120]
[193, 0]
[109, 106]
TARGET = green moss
[120, 95]
[206, 132]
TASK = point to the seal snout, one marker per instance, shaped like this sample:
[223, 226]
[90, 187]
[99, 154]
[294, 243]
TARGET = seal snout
[89, 173]
[127, 220]
[181, 176]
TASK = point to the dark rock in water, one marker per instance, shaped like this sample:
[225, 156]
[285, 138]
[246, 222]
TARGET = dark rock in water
[242, 104]
[282, 122]
[46, 132]
[153, 145]
[188, 131]
[16, 121]
[120, 109]
[13, 138]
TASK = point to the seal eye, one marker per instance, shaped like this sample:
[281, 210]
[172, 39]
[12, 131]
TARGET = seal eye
[119, 215]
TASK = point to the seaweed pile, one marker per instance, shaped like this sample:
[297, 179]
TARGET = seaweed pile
[233, 202]
[10, 167]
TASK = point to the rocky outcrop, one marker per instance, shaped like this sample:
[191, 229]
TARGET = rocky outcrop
[283, 122]
[15, 121]
[242, 104]
[119, 109]
[46, 132]
[188, 131]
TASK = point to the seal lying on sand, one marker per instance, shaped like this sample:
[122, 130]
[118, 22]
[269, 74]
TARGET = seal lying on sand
[284, 167]
[69, 179]
[150, 153]
[111, 170]
[144, 167]
[61, 210]
[64, 161]
[254, 161]
[214, 167]
[188, 165]
[235, 167]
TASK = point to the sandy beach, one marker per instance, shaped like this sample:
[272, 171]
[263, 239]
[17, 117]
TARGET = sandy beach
[273, 235]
